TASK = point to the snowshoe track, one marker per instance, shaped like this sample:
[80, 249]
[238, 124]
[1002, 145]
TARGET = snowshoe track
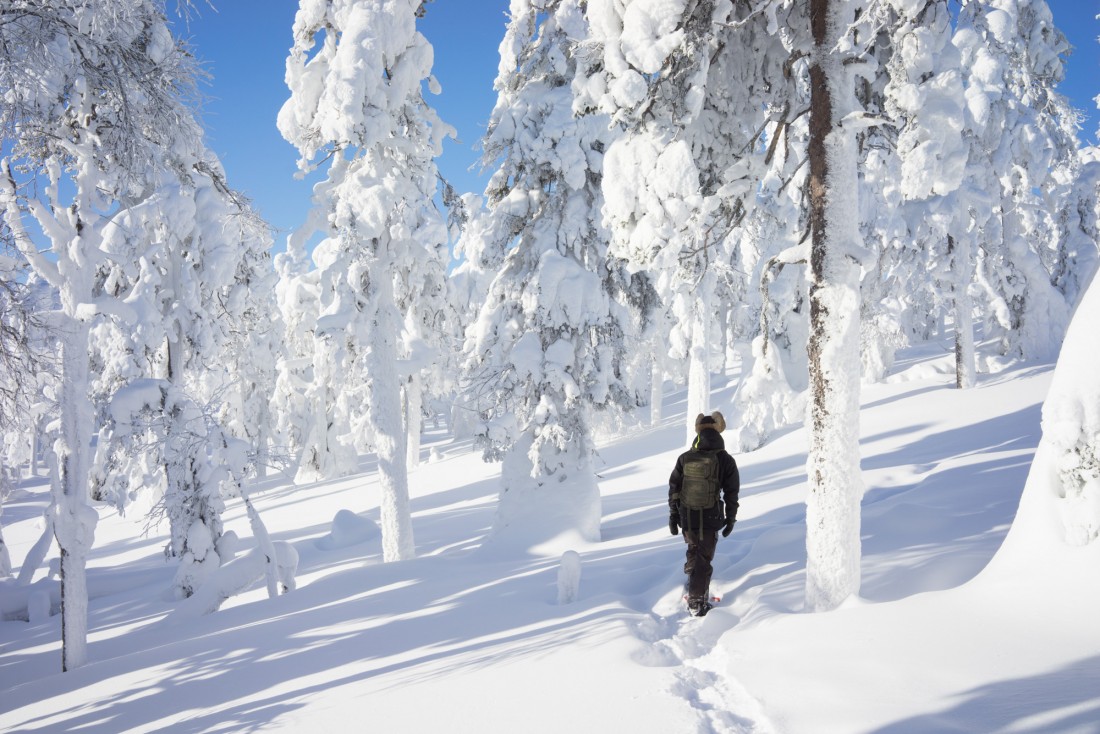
[701, 671]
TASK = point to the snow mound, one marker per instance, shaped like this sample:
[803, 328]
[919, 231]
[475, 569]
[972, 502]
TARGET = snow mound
[348, 529]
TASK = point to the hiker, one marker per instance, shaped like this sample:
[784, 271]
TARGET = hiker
[702, 499]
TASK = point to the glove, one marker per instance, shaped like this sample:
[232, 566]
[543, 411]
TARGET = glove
[674, 524]
[729, 527]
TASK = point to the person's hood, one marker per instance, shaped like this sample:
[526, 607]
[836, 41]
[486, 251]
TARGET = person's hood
[710, 440]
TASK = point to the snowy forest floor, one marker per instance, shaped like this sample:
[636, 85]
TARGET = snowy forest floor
[470, 637]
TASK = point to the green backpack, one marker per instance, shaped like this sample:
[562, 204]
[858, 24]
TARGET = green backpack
[699, 489]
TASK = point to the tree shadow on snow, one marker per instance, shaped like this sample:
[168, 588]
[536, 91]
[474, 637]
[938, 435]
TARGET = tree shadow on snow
[1065, 700]
[374, 628]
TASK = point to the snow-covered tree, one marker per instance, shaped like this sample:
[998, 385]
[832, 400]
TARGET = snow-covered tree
[95, 90]
[297, 297]
[1014, 54]
[546, 348]
[356, 72]
[926, 103]
[253, 342]
[479, 252]
[1078, 224]
[693, 83]
[189, 262]
[155, 428]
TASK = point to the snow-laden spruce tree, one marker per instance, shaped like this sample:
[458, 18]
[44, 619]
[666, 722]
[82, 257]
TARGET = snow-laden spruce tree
[692, 82]
[356, 73]
[546, 347]
[253, 342]
[1014, 56]
[297, 295]
[479, 252]
[1079, 223]
[93, 92]
[186, 261]
[925, 100]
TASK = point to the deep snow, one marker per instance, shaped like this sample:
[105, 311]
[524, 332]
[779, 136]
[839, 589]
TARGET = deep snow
[470, 635]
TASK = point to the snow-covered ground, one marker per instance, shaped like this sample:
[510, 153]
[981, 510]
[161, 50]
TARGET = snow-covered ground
[470, 636]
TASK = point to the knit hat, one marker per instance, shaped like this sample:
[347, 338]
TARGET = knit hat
[715, 420]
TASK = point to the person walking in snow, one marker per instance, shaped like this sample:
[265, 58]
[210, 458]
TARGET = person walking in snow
[702, 499]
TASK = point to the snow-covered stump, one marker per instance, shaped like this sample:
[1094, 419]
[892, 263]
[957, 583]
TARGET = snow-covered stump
[569, 577]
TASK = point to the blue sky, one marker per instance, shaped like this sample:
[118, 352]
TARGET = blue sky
[244, 46]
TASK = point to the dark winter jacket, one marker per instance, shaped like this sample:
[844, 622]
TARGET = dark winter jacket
[728, 479]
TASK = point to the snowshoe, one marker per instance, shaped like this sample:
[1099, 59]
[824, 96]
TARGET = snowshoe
[698, 607]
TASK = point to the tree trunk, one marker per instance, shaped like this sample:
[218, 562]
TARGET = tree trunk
[414, 404]
[74, 520]
[384, 394]
[699, 360]
[832, 504]
[5, 558]
[962, 272]
[656, 390]
[178, 522]
[32, 465]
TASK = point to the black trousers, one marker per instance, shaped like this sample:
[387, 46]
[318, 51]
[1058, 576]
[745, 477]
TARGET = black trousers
[700, 553]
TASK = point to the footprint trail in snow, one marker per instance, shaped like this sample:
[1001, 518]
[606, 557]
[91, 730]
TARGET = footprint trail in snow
[702, 672]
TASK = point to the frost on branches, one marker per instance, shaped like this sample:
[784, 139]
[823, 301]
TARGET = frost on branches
[355, 74]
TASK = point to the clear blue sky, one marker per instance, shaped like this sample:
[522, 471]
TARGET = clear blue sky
[244, 45]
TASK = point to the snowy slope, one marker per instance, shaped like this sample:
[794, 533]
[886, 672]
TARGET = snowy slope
[469, 636]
